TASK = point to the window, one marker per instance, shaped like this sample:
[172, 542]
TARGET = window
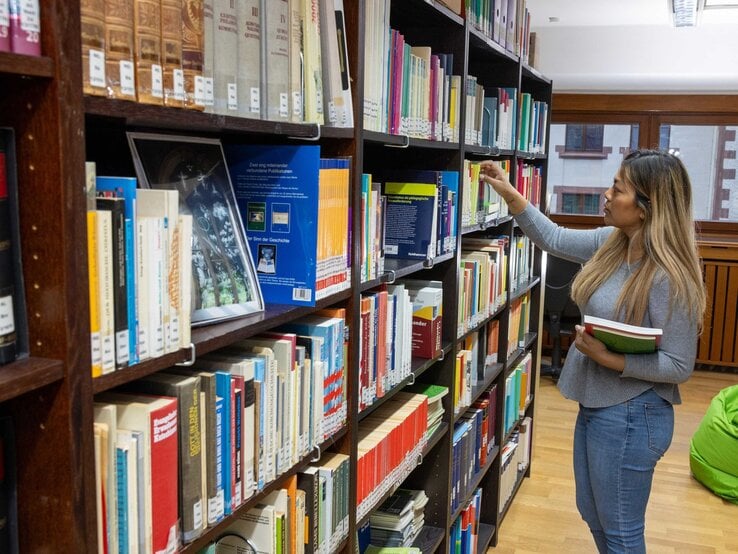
[577, 181]
[583, 204]
[584, 138]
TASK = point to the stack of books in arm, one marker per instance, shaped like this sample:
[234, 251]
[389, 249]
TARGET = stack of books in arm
[623, 338]
[399, 519]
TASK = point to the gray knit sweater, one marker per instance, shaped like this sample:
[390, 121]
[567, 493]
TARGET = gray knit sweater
[589, 383]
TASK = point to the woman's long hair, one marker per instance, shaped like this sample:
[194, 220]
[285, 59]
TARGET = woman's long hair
[664, 192]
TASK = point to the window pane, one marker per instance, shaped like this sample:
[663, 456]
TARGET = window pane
[709, 152]
[594, 138]
[574, 137]
[576, 185]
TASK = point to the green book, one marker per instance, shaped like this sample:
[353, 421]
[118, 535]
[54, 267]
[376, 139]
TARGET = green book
[433, 392]
[623, 338]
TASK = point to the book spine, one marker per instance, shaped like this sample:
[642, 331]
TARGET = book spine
[275, 60]
[92, 30]
[5, 26]
[121, 469]
[171, 53]
[7, 287]
[164, 490]
[25, 27]
[119, 44]
[147, 49]
[190, 451]
[225, 63]
[249, 40]
[193, 53]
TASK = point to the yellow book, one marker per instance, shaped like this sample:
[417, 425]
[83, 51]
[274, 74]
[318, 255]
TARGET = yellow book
[95, 344]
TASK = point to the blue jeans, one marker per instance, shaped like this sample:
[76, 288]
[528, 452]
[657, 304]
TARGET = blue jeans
[615, 452]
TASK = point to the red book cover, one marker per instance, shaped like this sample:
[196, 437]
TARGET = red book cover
[364, 381]
[4, 27]
[381, 342]
[164, 461]
[25, 27]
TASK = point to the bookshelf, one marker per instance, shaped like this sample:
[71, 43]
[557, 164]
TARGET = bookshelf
[50, 394]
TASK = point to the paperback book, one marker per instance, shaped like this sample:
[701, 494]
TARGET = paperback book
[623, 338]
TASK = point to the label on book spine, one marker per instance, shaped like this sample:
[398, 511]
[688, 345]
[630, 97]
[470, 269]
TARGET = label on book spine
[127, 79]
[4, 14]
[97, 68]
[255, 104]
[233, 96]
[7, 322]
[157, 81]
[209, 91]
[199, 90]
[30, 16]
[197, 514]
[179, 88]
[284, 104]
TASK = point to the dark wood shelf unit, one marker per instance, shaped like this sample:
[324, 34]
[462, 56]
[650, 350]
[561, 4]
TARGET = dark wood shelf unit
[522, 289]
[429, 539]
[26, 66]
[484, 537]
[28, 374]
[396, 268]
[530, 156]
[487, 151]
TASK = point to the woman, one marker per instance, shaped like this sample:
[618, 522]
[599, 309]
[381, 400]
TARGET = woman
[641, 269]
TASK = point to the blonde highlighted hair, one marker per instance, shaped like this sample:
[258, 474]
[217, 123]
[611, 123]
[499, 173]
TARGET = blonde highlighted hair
[664, 193]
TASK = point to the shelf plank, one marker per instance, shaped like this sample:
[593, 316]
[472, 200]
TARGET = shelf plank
[395, 268]
[482, 323]
[28, 374]
[167, 117]
[522, 289]
[27, 66]
[482, 42]
[212, 533]
[486, 225]
[484, 537]
[429, 539]
[531, 72]
[405, 141]
[218, 335]
[487, 151]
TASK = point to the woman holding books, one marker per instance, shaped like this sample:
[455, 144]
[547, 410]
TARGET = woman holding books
[641, 269]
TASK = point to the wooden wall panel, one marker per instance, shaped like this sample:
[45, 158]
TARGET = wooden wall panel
[717, 344]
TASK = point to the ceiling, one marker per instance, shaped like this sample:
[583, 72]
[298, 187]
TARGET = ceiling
[588, 13]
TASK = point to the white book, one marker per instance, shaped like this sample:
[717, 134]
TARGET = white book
[299, 521]
[296, 62]
[105, 281]
[333, 101]
[250, 37]
[208, 46]
[106, 414]
[101, 537]
[225, 57]
[185, 280]
[344, 62]
[275, 67]
[258, 525]
[312, 61]
[142, 289]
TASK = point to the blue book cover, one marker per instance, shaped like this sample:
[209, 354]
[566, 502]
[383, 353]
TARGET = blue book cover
[217, 509]
[411, 220]
[121, 470]
[450, 179]
[125, 187]
[276, 190]
[223, 390]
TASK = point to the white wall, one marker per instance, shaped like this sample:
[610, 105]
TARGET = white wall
[639, 58]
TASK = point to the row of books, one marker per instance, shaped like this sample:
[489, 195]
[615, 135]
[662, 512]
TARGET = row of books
[408, 90]
[385, 336]
[298, 235]
[517, 392]
[390, 441]
[483, 280]
[506, 22]
[475, 361]
[435, 394]
[285, 60]
[307, 516]
[232, 423]
[518, 323]
[464, 533]
[473, 440]
[139, 260]
[515, 459]
[480, 203]
[409, 215]
[529, 181]
[521, 261]
[20, 27]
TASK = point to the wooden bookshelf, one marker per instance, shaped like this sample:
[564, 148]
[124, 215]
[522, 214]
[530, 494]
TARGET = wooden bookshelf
[50, 394]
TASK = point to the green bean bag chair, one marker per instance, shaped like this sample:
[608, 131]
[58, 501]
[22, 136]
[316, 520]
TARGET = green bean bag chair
[713, 455]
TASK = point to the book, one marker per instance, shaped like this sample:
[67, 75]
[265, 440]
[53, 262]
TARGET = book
[119, 49]
[92, 30]
[623, 338]
[193, 20]
[147, 51]
[171, 53]
[225, 63]
[13, 326]
[25, 27]
[249, 59]
[5, 27]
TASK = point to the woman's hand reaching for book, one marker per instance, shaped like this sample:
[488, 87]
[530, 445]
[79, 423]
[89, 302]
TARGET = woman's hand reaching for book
[494, 175]
[596, 350]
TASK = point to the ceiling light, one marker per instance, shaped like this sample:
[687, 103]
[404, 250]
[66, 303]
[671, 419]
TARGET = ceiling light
[684, 12]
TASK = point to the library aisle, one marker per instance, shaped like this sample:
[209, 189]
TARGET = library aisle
[682, 517]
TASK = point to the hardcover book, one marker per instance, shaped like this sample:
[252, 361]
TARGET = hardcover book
[623, 338]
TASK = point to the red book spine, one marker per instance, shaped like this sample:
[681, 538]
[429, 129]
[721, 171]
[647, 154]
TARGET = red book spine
[25, 27]
[164, 488]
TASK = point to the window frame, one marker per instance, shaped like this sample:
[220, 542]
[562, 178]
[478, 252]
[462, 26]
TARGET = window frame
[649, 111]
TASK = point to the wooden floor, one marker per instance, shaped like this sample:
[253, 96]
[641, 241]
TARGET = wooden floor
[683, 517]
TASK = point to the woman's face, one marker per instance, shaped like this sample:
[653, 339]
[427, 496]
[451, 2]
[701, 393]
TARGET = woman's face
[621, 209]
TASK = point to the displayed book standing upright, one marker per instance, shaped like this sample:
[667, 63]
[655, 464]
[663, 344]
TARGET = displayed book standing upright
[51, 394]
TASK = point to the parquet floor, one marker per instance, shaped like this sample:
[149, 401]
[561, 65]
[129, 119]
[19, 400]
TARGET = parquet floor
[683, 517]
